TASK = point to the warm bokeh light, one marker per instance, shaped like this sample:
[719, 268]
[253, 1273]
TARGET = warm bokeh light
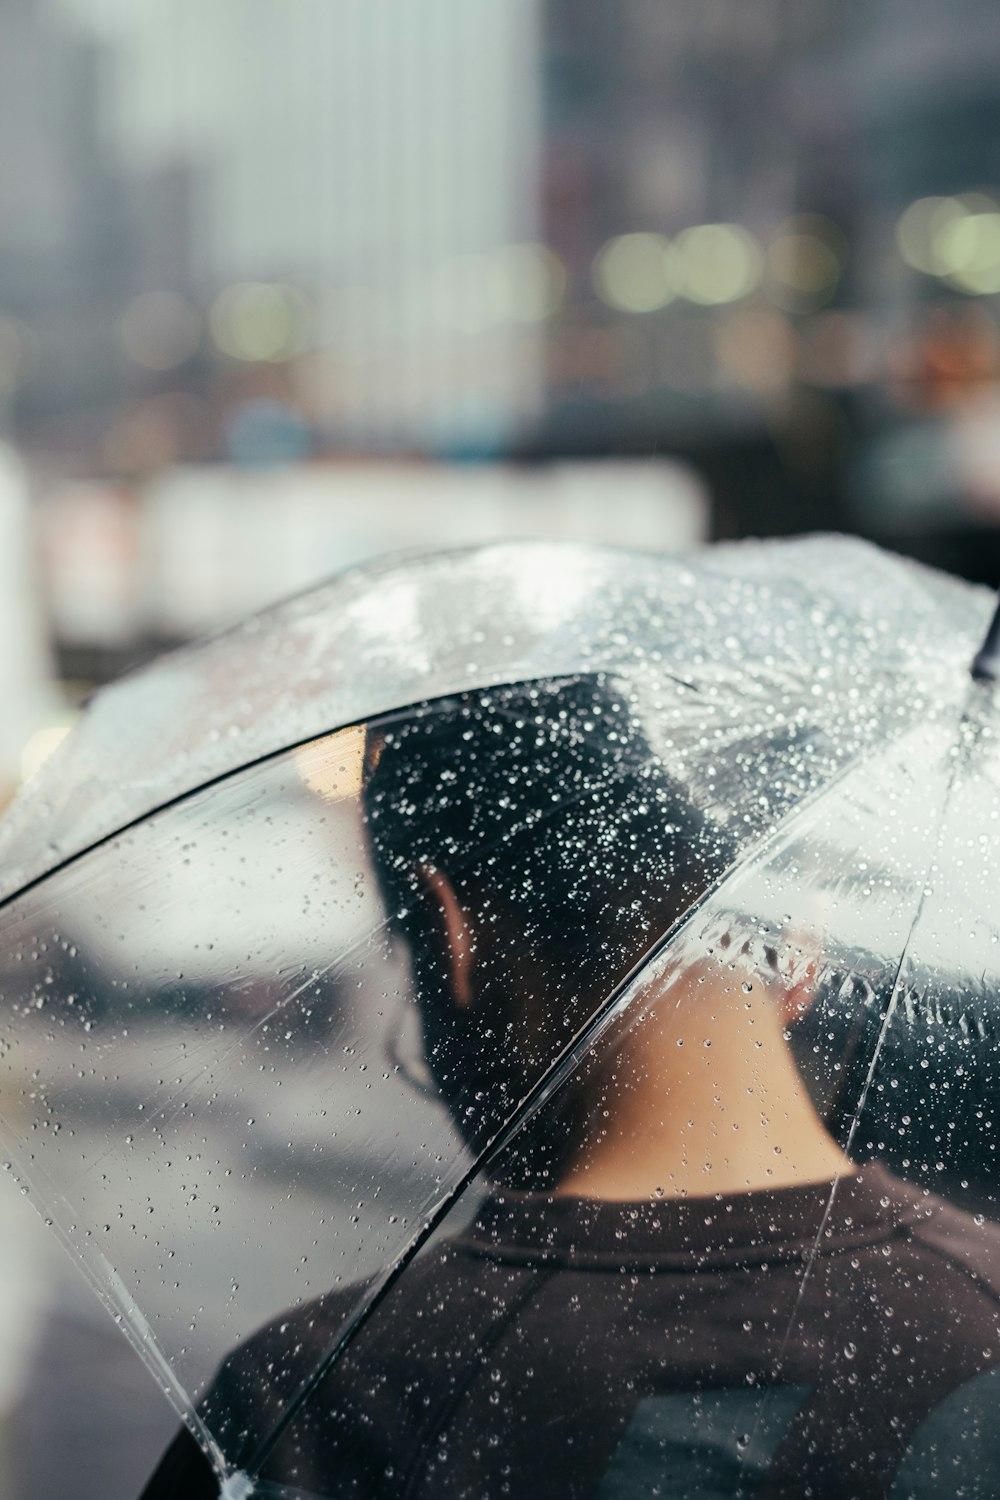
[260, 321]
[40, 746]
[160, 330]
[950, 355]
[333, 767]
[716, 263]
[285, 288]
[633, 273]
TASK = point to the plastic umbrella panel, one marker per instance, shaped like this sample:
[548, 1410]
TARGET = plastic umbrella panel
[238, 1083]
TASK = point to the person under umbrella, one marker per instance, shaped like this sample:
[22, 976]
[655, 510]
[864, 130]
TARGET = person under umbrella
[676, 1280]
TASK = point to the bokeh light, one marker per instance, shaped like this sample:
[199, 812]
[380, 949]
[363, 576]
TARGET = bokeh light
[160, 330]
[716, 263]
[513, 284]
[956, 239]
[260, 321]
[804, 263]
[40, 746]
[634, 273]
[919, 231]
[969, 251]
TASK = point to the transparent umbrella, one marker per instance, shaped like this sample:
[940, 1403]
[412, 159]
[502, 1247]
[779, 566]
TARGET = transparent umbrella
[524, 1022]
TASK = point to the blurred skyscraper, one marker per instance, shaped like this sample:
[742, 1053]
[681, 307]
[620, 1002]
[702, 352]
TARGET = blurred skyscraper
[62, 216]
[260, 230]
[369, 163]
[660, 120]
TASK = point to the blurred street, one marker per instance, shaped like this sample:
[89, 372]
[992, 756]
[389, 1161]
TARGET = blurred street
[81, 1413]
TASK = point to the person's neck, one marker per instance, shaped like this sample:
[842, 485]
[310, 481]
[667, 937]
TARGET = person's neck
[691, 1108]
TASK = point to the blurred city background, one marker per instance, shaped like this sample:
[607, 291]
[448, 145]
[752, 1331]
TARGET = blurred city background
[285, 284]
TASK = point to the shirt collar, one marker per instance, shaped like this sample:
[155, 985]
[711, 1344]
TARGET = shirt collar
[752, 1228]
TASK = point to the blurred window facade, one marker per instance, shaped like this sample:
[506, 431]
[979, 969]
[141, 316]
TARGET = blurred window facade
[251, 249]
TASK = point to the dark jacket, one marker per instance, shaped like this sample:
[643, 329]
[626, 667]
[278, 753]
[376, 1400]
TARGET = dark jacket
[758, 1344]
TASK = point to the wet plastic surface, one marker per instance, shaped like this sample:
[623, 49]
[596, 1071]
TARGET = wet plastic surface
[457, 1044]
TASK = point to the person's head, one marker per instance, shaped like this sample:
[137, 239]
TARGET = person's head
[531, 848]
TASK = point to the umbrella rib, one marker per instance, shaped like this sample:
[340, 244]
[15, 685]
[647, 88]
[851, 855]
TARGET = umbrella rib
[890, 1012]
[263, 759]
[266, 756]
[522, 1112]
[367, 937]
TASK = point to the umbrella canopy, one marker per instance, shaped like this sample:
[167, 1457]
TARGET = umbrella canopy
[528, 875]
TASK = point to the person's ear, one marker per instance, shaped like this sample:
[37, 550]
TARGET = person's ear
[455, 930]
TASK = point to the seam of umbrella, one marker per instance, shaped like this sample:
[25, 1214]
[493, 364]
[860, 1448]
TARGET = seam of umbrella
[890, 1011]
[520, 1114]
[502, 839]
[288, 749]
[524, 1111]
[266, 756]
[113, 1302]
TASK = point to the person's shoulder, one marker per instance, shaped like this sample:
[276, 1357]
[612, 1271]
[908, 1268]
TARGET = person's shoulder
[287, 1348]
[969, 1242]
[250, 1391]
[294, 1339]
[362, 1321]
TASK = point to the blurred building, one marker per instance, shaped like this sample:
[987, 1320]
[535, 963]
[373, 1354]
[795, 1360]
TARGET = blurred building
[342, 178]
[272, 235]
[64, 247]
[693, 185]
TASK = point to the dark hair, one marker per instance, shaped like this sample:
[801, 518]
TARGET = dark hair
[571, 848]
